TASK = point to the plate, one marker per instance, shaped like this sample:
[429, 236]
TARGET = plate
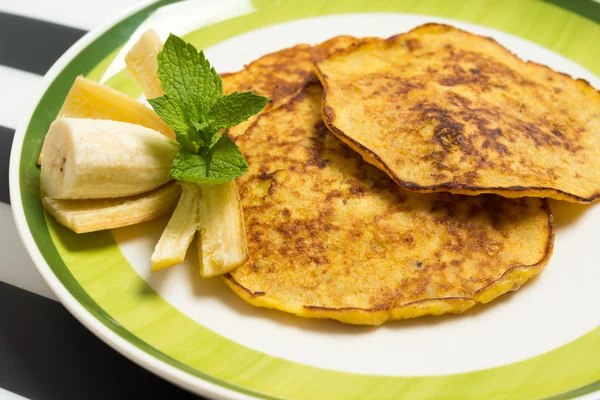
[541, 342]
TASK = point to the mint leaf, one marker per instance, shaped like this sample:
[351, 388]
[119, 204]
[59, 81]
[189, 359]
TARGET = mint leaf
[226, 161]
[181, 120]
[188, 166]
[199, 111]
[223, 163]
[214, 139]
[195, 107]
[189, 142]
[235, 108]
[184, 72]
[171, 111]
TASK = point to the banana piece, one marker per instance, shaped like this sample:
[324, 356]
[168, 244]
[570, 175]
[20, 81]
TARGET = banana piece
[222, 244]
[83, 216]
[177, 236]
[142, 63]
[89, 99]
[94, 158]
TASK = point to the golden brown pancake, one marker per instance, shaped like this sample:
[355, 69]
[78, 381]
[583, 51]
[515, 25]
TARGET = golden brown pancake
[330, 236]
[280, 75]
[440, 109]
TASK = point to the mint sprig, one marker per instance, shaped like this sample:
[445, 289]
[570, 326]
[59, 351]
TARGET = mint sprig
[196, 108]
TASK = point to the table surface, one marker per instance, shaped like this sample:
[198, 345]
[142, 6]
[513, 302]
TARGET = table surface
[45, 353]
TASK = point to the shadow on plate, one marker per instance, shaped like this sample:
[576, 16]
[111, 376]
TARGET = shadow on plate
[76, 242]
[216, 288]
[566, 213]
[472, 313]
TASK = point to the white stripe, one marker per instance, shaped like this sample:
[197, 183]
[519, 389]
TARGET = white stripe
[15, 92]
[16, 267]
[84, 15]
[596, 394]
[6, 395]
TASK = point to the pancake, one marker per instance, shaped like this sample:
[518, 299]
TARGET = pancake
[440, 109]
[330, 236]
[281, 74]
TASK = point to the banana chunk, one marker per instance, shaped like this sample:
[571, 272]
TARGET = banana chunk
[89, 99]
[142, 63]
[222, 244]
[92, 159]
[177, 236]
[83, 216]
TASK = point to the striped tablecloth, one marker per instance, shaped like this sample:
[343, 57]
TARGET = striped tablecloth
[44, 352]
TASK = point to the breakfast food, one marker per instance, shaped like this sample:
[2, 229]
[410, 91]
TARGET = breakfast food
[331, 236]
[83, 216]
[180, 231]
[221, 233]
[273, 172]
[277, 76]
[89, 99]
[95, 159]
[441, 109]
[92, 100]
[281, 74]
[222, 244]
[142, 63]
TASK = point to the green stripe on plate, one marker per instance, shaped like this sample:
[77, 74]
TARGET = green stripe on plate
[98, 71]
[94, 270]
[589, 9]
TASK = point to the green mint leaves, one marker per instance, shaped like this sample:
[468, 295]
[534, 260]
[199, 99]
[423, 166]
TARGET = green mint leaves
[224, 163]
[196, 108]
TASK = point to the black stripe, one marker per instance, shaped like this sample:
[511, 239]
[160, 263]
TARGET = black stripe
[33, 45]
[6, 139]
[585, 8]
[46, 354]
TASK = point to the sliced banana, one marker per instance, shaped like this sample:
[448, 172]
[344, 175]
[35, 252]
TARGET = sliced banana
[177, 236]
[82, 216]
[142, 63]
[89, 99]
[93, 159]
[222, 244]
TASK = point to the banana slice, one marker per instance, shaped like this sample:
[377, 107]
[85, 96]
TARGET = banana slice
[93, 159]
[177, 236]
[142, 63]
[89, 99]
[83, 216]
[222, 244]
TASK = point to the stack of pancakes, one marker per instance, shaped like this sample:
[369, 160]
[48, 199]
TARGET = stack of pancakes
[395, 178]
